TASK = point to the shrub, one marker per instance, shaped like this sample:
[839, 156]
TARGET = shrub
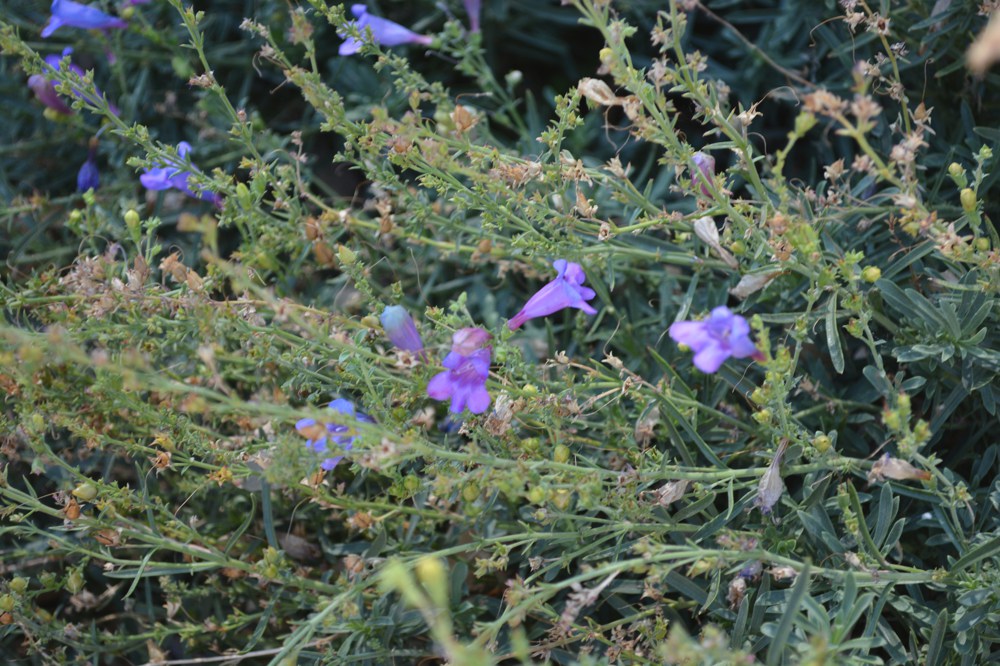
[728, 277]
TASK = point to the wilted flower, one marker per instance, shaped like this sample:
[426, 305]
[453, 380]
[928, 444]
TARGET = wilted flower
[716, 338]
[88, 178]
[896, 469]
[166, 177]
[706, 167]
[45, 89]
[565, 291]
[398, 325]
[322, 435]
[77, 15]
[472, 9]
[384, 32]
[464, 382]
[771, 486]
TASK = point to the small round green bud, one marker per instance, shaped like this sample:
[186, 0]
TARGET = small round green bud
[85, 492]
[7, 603]
[470, 493]
[738, 248]
[955, 170]
[131, 219]
[74, 581]
[346, 255]
[871, 274]
[763, 416]
[822, 443]
[537, 495]
[18, 585]
[968, 198]
[560, 454]
[982, 244]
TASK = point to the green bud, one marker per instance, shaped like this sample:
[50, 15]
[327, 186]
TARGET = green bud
[470, 493]
[822, 443]
[537, 495]
[18, 585]
[346, 255]
[85, 492]
[243, 196]
[132, 220]
[7, 603]
[74, 581]
[968, 198]
[560, 454]
[871, 274]
[983, 244]
[432, 575]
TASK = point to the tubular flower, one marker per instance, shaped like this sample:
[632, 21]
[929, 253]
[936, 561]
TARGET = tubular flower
[398, 325]
[76, 15]
[384, 32]
[706, 167]
[721, 335]
[472, 9]
[565, 291]
[88, 178]
[468, 367]
[167, 177]
[322, 436]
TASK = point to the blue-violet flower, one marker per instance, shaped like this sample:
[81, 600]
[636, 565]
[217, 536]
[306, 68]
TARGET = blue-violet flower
[322, 436]
[171, 176]
[88, 178]
[468, 367]
[714, 339]
[398, 325]
[76, 15]
[565, 291]
[384, 32]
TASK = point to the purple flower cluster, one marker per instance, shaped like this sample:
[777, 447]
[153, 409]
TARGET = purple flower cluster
[176, 176]
[323, 437]
[714, 339]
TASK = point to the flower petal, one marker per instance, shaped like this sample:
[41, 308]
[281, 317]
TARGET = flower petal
[711, 358]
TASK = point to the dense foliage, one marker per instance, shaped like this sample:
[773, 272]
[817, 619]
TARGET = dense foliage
[822, 488]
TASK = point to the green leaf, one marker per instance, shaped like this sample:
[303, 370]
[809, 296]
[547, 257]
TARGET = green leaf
[935, 653]
[833, 336]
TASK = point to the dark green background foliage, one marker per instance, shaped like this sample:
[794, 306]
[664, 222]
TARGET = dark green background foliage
[157, 504]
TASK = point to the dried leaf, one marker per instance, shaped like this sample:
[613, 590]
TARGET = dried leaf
[752, 283]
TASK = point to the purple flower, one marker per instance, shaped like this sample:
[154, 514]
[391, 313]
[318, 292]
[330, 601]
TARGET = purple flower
[322, 435]
[706, 167]
[88, 178]
[384, 32]
[721, 335]
[172, 176]
[472, 9]
[399, 326]
[565, 291]
[76, 15]
[464, 382]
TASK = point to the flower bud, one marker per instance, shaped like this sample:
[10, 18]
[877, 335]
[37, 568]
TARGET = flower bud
[871, 274]
[18, 585]
[432, 575]
[85, 492]
[399, 326]
[968, 198]
[346, 255]
[957, 173]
